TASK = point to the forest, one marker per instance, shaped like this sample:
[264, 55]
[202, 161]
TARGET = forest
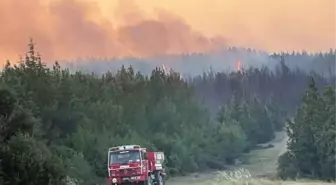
[58, 123]
[194, 64]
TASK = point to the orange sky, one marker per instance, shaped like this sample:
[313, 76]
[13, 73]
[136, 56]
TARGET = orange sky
[105, 28]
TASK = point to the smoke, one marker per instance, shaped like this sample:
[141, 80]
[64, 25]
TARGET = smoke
[73, 28]
[186, 65]
[67, 29]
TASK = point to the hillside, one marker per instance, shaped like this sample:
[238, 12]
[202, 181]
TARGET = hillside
[75, 117]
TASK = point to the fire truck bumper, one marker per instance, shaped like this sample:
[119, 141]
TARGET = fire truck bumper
[122, 180]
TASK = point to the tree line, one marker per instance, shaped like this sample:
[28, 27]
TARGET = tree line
[193, 64]
[60, 124]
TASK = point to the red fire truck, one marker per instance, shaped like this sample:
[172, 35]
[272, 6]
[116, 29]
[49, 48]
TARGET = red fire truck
[131, 164]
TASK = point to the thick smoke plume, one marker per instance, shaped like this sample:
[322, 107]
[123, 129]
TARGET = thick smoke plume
[67, 29]
[75, 28]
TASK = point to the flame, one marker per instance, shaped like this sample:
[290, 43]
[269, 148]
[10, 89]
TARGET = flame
[238, 65]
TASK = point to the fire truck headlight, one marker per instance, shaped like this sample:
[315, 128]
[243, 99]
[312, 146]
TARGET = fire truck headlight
[114, 180]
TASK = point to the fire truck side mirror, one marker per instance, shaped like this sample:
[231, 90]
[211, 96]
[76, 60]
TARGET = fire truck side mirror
[145, 156]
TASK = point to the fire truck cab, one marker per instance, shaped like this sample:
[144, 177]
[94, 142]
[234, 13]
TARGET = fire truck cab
[131, 164]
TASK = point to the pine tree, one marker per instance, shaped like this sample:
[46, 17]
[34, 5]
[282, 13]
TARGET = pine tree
[326, 136]
[303, 133]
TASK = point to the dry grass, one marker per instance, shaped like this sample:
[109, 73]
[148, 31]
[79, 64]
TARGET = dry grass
[264, 161]
[259, 163]
[262, 182]
[247, 182]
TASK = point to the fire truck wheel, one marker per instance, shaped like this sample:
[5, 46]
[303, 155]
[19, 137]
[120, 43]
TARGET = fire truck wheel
[148, 182]
[158, 179]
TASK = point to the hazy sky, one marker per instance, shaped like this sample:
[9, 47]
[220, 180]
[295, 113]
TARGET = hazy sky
[72, 28]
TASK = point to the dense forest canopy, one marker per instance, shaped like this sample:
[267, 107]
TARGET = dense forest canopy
[61, 123]
[225, 60]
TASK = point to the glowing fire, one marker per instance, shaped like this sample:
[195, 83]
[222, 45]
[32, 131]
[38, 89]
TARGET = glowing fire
[238, 65]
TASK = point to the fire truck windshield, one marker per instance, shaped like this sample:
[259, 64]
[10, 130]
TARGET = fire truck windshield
[125, 156]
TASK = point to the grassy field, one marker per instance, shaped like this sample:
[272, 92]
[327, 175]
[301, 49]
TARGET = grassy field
[263, 162]
[255, 182]
[259, 164]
